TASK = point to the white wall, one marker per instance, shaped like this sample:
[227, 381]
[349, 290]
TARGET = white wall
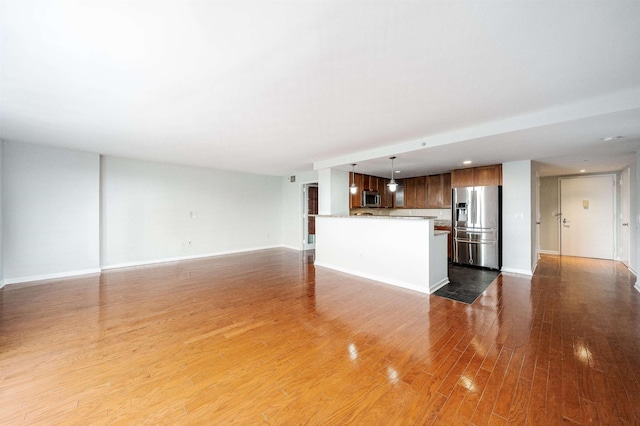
[534, 214]
[1, 221]
[634, 188]
[333, 192]
[147, 212]
[518, 236]
[51, 212]
[635, 217]
[292, 209]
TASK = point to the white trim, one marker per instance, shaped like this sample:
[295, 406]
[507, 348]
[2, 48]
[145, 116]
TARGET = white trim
[179, 258]
[395, 283]
[555, 252]
[435, 287]
[632, 270]
[291, 247]
[517, 271]
[2, 283]
[637, 286]
[67, 274]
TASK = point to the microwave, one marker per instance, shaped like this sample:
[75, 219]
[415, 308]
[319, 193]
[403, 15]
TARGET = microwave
[370, 199]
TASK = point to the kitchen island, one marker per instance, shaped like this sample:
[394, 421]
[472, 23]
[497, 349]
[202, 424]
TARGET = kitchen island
[404, 251]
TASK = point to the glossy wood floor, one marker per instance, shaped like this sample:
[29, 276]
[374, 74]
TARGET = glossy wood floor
[264, 338]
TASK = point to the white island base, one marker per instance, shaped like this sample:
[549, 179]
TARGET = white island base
[401, 251]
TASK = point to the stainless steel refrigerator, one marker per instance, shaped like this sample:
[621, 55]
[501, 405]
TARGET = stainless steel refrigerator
[476, 226]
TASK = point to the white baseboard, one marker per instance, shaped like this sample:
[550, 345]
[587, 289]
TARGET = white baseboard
[291, 247]
[180, 258]
[556, 252]
[633, 271]
[438, 285]
[637, 286]
[67, 274]
[516, 271]
[384, 280]
[2, 283]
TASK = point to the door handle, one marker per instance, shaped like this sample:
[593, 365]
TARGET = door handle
[565, 221]
[625, 224]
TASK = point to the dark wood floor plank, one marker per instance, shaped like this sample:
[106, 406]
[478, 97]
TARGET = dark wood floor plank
[266, 337]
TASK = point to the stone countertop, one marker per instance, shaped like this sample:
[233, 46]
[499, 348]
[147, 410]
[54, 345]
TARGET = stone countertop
[442, 222]
[379, 217]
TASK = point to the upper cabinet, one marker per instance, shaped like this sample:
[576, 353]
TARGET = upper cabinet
[477, 176]
[355, 200]
[438, 191]
[488, 175]
[410, 200]
[422, 192]
[369, 183]
[446, 190]
[427, 192]
[462, 177]
[386, 196]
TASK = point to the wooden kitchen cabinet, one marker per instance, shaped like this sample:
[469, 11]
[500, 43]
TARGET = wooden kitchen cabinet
[439, 191]
[373, 183]
[410, 193]
[370, 183]
[355, 200]
[386, 196]
[434, 191]
[462, 177]
[446, 190]
[477, 176]
[488, 175]
[421, 192]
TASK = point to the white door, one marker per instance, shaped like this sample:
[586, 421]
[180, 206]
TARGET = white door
[587, 224]
[624, 246]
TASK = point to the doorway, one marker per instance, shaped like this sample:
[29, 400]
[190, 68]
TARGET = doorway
[308, 219]
[624, 247]
[587, 207]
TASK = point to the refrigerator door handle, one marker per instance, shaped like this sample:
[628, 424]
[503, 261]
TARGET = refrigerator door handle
[474, 206]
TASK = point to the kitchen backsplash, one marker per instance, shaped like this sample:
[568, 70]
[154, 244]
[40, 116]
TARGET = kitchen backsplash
[443, 214]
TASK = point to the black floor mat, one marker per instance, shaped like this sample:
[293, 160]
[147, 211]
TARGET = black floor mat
[466, 283]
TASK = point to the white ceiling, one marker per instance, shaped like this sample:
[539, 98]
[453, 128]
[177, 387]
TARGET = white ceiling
[278, 87]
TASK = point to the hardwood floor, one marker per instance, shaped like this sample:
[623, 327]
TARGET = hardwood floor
[264, 337]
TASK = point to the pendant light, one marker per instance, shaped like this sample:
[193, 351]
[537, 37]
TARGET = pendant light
[353, 188]
[392, 184]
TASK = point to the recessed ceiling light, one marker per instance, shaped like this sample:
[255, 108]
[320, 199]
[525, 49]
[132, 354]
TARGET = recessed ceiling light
[466, 162]
[582, 171]
[611, 138]
[397, 171]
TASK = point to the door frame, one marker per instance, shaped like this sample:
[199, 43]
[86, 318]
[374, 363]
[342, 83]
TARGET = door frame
[306, 245]
[614, 177]
[624, 184]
